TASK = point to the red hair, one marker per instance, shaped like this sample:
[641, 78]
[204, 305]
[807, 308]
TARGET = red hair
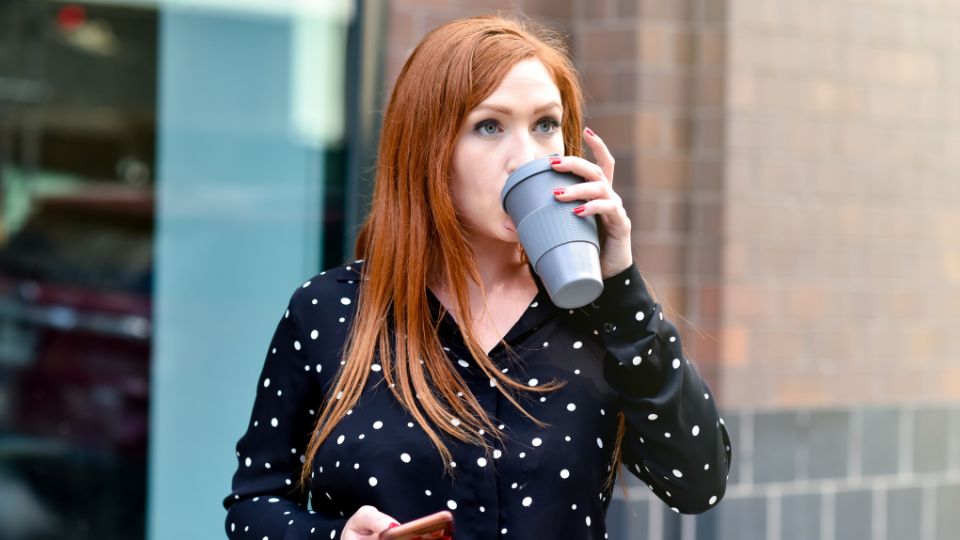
[412, 235]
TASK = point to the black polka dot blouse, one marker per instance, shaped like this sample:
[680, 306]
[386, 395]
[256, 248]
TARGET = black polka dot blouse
[617, 354]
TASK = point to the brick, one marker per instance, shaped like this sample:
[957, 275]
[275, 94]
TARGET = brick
[828, 443]
[663, 88]
[948, 519]
[880, 441]
[664, 10]
[628, 518]
[740, 518]
[904, 517]
[800, 517]
[604, 45]
[664, 171]
[775, 444]
[930, 437]
[853, 515]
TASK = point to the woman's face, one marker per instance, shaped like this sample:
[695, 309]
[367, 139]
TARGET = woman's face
[518, 122]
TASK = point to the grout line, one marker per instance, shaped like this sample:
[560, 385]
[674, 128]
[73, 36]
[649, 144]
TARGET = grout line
[928, 511]
[855, 449]
[774, 508]
[905, 442]
[828, 514]
[878, 513]
[746, 455]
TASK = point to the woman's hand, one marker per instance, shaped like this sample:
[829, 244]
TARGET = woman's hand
[366, 524]
[615, 253]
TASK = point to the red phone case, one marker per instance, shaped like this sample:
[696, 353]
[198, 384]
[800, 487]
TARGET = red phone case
[432, 527]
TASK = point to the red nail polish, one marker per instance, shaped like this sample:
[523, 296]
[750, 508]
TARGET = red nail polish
[392, 525]
[555, 161]
[579, 210]
[559, 191]
[590, 132]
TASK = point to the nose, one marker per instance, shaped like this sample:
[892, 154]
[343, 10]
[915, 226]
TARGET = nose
[522, 150]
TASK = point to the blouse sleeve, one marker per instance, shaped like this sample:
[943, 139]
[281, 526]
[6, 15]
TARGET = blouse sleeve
[675, 440]
[264, 500]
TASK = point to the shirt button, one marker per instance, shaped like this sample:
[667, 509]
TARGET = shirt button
[609, 327]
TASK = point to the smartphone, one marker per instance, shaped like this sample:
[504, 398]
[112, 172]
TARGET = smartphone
[434, 526]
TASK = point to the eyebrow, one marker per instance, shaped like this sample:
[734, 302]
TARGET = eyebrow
[507, 111]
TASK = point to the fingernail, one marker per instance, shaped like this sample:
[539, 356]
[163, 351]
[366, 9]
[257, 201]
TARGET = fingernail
[559, 191]
[555, 161]
[579, 210]
[590, 132]
[394, 524]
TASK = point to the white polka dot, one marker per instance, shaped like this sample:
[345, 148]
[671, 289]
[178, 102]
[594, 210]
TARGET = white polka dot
[573, 506]
[463, 363]
[497, 454]
[455, 422]
[482, 461]
[452, 504]
[706, 395]
[286, 314]
[639, 315]
[314, 334]
[706, 467]
[576, 372]
[345, 301]
[577, 344]
[340, 439]
[696, 430]
[375, 367]
[274, 422]
[567, 438]
[676, 363]
[599, 442]
[427, 492]
[677, 473]
[503, 530]
[482, 509]
[571, 407]
[405, 457]
[372, 481]
[626, 282]
[296, 345]
[667, 434]
[378, 424]
[546, 344]
[564, 474]
[533, 382]
[673, 338]
[535, 304]
[527, 501]
[652, 416]
[266, 383]
[637, 360]
[536, 441]
[588, 521]
[712, 500]
[248, 462]
[342, 319]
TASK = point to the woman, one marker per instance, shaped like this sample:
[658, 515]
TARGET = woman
[435, 373]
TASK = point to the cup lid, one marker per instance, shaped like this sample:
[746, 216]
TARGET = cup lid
[521, 173]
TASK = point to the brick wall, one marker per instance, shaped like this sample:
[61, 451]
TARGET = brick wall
[792, 170]
[841, 281]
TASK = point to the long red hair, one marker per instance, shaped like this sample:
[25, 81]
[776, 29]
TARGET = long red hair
[412, 234]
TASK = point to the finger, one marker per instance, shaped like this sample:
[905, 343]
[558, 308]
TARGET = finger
[370, 520]
[585, 191]
[613, 214]
[578, 166]
[601, 152]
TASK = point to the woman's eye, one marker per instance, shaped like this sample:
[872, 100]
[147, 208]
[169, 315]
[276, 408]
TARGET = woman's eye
[487, 127]
[548, 125]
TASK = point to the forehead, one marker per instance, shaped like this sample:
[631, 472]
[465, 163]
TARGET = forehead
[528, 81]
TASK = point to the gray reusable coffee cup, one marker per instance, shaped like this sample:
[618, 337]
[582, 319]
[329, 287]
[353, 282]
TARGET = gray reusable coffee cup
[562, 246]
